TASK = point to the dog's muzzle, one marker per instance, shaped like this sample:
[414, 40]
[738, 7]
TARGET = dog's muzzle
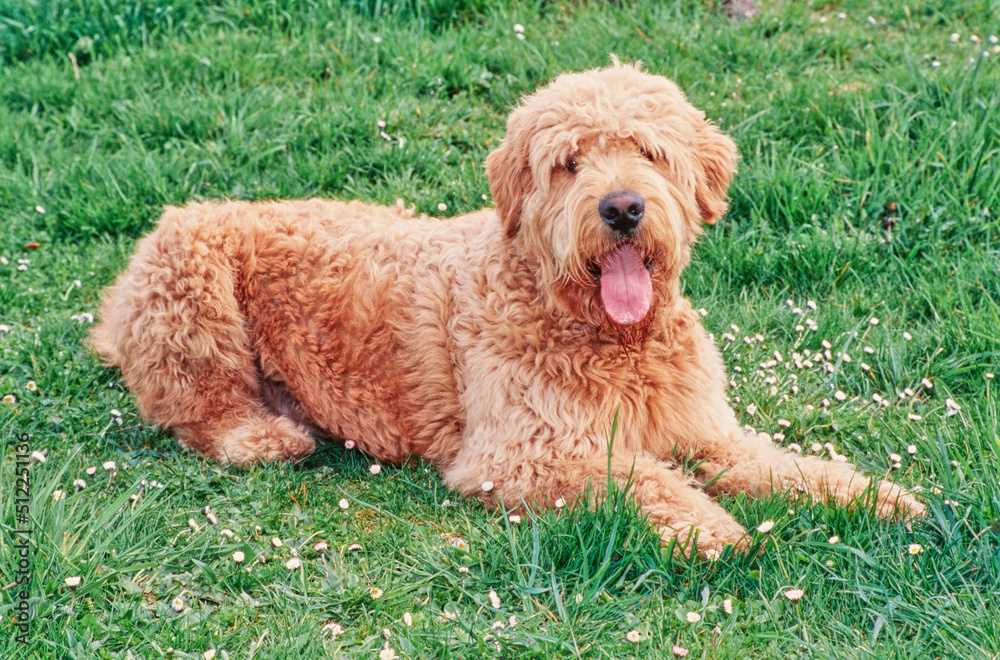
[625, 274]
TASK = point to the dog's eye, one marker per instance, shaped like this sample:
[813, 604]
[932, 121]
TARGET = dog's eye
[646, 154]
[571, 165]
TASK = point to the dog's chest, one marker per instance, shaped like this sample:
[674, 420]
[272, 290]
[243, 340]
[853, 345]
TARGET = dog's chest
[574, 383]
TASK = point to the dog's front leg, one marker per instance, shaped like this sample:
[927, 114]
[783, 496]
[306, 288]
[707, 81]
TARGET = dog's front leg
[674, 503]
[746, 463]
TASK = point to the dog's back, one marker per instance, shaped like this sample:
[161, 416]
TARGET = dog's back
[242, 325]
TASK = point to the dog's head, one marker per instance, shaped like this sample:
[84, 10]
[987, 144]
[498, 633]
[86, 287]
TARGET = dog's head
[604, 179]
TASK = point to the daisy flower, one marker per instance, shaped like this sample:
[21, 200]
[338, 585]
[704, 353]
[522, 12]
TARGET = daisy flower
[765, 526]
[375, 593]
[633, 636]
[331, 630]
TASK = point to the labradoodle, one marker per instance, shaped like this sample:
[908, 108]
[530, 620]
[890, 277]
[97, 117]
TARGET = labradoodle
[500, 345]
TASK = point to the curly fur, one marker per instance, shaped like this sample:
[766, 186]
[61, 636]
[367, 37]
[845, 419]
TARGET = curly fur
[477, 342]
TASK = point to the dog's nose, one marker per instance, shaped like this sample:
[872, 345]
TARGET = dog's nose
[622, 211]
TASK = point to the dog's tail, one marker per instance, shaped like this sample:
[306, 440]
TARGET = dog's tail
[102, 338]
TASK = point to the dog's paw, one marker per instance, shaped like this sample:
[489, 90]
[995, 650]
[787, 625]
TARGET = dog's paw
[895, 502]
[265, 440]
[708, 540]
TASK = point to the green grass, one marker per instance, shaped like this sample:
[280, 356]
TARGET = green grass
[869, 184]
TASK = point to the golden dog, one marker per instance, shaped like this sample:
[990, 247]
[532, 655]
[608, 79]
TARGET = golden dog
[499, 345]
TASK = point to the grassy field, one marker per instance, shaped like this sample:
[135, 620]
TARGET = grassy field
[866, 211]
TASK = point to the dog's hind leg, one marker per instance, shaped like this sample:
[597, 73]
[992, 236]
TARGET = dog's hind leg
[246, 436]
[173, 324]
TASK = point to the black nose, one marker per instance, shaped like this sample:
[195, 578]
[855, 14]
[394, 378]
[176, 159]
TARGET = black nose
[622, 211]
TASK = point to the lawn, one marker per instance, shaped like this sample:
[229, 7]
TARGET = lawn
[854, 289]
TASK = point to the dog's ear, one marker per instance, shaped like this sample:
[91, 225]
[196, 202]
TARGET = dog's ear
[716, 156]
[510, 177]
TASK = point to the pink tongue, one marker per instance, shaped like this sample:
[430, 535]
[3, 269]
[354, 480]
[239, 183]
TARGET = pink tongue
[626, 289]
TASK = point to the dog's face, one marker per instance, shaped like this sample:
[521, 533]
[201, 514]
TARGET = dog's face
[604, 179]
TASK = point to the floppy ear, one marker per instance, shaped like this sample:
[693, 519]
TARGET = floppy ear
[510, 178]
[716, 156]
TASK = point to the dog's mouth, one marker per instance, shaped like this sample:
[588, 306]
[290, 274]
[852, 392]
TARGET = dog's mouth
[594, 268]
[624, 279]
